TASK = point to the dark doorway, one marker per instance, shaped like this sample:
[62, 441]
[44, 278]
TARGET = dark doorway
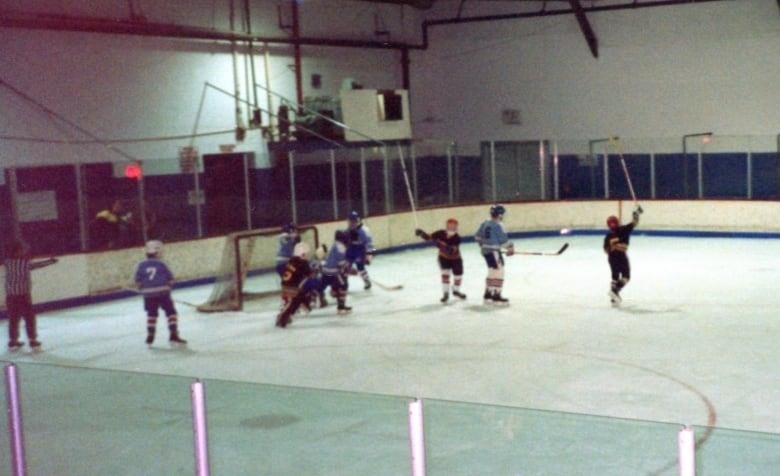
[225, 189]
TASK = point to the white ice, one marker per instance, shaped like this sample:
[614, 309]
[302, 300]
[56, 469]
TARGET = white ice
[695, 342]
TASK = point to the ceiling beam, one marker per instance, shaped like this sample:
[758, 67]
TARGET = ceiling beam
[587, 31]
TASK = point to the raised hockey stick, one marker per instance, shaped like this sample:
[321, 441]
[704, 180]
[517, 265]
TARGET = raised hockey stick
[408, 185]
[544, 253]
[388, 287]
[615, 142]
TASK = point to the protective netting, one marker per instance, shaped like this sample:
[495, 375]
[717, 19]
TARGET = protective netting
[243, 254]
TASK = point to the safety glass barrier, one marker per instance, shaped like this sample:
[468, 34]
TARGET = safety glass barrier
[432, 172]
[67, 208]
[90, 421]
[463, 438]
[171, 201]
[262, 429]
[314, 182]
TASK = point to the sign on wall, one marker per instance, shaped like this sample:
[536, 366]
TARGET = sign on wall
[37, 206]
[511, 117]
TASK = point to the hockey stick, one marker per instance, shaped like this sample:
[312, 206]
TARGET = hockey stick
[387, 287]
[614, 141]
[136, 291]
[408, 185]
[544, 253]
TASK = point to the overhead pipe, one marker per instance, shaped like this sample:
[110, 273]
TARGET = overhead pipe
[296, 33]
[240, 126]
[567, 11]
[166, 30]
[114, 26]
[248, 19]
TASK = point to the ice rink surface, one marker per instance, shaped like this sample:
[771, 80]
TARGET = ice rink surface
[695, 342]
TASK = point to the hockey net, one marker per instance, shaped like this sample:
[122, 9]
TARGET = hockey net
[245, 254]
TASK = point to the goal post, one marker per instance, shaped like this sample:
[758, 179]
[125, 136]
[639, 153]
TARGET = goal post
[245, 254]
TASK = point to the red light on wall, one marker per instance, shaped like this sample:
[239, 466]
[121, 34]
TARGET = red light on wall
[134, 171]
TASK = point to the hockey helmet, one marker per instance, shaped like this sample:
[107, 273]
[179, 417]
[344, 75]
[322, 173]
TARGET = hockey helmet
[153, 247]
[342, 236]
[301, 250]
[613, 222]
[290, 228]
[321, 252]
[354, 217]
[497, 210]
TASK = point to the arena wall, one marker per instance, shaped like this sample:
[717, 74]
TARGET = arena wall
[85, 278]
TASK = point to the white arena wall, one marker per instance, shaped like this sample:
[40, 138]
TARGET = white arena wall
[83, 278]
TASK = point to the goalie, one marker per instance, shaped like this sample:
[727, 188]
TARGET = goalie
[450, 261]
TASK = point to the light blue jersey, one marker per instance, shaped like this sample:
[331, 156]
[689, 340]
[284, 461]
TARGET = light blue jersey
[491, 236]
[286, 247]
[153, 277]
[336, 260]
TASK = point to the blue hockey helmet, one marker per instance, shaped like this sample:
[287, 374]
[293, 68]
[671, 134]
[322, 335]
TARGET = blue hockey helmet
[354, 217]
[497, 210]
[290, 228]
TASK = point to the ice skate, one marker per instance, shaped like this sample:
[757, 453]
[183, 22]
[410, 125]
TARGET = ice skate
[445, 298]
[343, 310]
[487, 298]
[459, 295]
[15, 346]
[283, 320]
[35, 346]
[323, 301]
[176, 340]
[499, 300]
[615, 298]
[367, 285]
[149, 339]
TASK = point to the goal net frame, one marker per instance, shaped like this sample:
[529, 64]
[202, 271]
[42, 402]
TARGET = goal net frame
[237, 263]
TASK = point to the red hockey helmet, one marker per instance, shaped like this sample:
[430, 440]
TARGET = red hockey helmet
[452, 221]
[613, 222]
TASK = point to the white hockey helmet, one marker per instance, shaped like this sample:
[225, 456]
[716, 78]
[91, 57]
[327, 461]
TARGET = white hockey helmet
[321, 252]
[301, 250]
[153, 247]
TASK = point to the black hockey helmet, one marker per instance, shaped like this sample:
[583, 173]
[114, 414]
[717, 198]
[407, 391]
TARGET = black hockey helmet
[342, 236]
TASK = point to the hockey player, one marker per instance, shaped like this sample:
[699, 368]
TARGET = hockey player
[154, 279]
[492, 238]
[450, 261]
[18, 290]
[297, 284]
[616, 247]
[334, 271]
[287, 241]
[360, 246]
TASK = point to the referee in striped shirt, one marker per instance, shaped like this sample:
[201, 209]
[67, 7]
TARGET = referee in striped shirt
[18, 287]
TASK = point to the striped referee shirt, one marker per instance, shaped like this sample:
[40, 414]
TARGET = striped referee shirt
[17, 277]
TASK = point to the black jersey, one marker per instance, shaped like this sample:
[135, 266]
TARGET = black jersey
[617, 241]
[295, 272]
[449, 245]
